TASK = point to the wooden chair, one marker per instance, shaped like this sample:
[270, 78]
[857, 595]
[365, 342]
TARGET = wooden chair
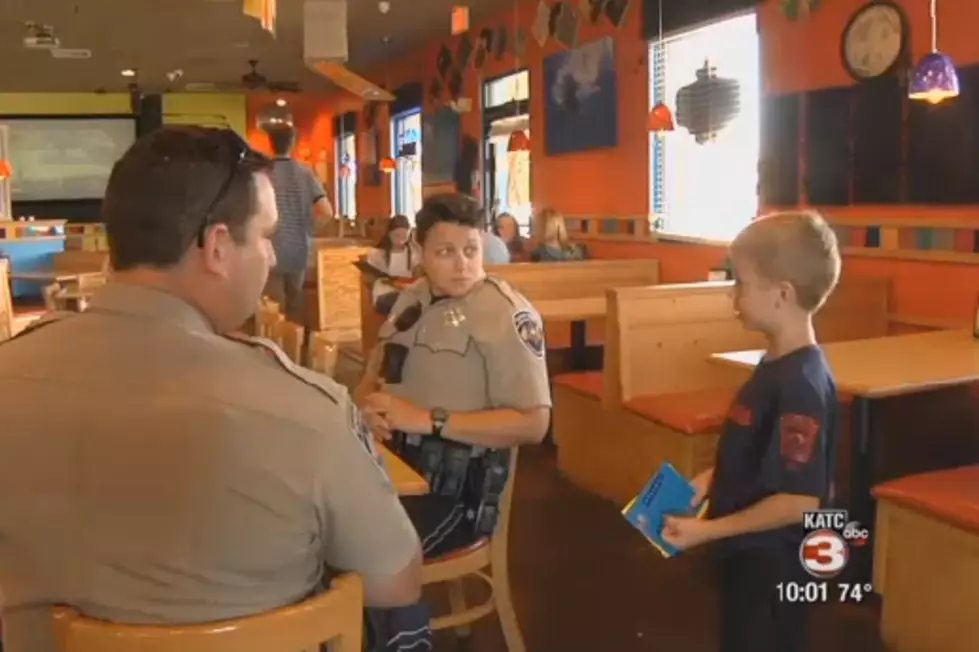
[289, 337]
[6, 304]
[454, 568]
[268, 319]
[323, 353]
[336, 616]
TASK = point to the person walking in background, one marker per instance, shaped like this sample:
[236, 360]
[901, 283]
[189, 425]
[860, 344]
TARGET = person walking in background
[302, 203]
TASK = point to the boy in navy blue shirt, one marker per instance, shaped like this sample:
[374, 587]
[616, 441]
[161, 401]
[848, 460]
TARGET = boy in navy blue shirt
[775, 454]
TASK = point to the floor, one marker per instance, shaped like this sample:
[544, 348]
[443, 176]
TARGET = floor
[584, 581]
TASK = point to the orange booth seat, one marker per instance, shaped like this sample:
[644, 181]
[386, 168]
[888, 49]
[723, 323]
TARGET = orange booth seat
[660, 398]
[926, 561]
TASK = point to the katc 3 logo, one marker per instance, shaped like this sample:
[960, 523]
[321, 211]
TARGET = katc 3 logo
[825, 549]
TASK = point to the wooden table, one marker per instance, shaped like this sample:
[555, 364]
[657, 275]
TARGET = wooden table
[879, 368]
[576, 310]
[407, 481]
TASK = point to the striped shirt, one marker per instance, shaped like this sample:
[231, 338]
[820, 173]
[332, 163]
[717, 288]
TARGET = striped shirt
[296, 190]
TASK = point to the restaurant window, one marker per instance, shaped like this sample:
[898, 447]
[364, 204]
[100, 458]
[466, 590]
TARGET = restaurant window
[710, 189]
[506, 110]
[406, 146]
[346, 174]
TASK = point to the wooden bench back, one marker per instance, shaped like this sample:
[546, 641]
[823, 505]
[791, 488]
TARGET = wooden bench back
[658, 339]
[537, 282]
[571, 280]
[338, 288]
[81, 261]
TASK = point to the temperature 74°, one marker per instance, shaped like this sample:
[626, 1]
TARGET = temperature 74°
[854, 592]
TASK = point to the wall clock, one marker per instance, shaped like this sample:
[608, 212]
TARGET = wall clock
[875, 40]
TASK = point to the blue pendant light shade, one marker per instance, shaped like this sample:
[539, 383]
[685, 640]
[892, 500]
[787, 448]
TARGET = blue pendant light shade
[935, 79]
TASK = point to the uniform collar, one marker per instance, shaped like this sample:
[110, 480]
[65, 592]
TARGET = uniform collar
[149, 303]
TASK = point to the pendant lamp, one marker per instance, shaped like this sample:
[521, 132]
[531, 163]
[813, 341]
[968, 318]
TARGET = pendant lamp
[388, 165]
[661, 118]
[935, 78]
[519, 142]
[6, 171]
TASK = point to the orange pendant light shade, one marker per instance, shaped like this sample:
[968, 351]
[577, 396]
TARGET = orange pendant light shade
[344, 172]
[661, 118]
[5, 170]
[388, 165]
[519, 142]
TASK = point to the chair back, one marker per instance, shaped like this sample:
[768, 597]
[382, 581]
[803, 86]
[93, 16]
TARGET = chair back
[323, 352]
[289, 337]
[335, 617]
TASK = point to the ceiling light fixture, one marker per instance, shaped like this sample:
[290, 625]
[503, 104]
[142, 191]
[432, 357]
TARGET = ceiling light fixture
[280, 102]
[128, 72]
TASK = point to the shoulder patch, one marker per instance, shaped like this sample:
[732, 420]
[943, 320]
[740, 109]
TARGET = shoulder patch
[798, 436]
[530, 330]
[360, 430]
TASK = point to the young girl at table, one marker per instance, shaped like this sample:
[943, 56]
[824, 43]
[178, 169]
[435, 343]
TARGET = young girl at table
[395, 256]
[775, 454]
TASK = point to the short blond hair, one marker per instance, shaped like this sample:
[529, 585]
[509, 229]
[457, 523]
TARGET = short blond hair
[795, 247]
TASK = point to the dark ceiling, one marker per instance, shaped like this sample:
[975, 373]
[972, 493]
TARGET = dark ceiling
[209, 40]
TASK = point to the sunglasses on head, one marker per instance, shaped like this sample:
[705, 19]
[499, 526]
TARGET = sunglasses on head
[240, 154]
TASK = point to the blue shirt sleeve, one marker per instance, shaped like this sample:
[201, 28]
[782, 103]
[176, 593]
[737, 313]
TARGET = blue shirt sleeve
[796, 459]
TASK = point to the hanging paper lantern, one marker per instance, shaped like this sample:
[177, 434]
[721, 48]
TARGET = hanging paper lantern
[388, 165]
[708, 105]
[661, 118]
[519, 142]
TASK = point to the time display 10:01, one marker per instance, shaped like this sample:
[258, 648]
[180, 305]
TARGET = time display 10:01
[806, 592]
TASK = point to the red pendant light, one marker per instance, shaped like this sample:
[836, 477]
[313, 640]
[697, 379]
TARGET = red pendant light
[519, 142]
[388, 165]
[5, 170]
[661, 118]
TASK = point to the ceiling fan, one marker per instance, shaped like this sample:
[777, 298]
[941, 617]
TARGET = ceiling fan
[252, 80]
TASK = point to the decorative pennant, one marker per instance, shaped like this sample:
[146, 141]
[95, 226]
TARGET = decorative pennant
[464, 52]
[540, 30]
[443, 61]
[566, 31]
[501, 42]
[616, 11]
[264, 11]
[596, 11]
[480, 59]
[552, 21]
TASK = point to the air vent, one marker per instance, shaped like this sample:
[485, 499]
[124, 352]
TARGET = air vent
[71, 53]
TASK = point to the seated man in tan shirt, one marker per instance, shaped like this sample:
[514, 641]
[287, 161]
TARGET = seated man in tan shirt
[156, 470]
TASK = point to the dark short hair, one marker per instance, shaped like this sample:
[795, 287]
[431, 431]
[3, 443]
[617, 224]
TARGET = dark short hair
[282, 137]
[173, 183]
[451, 208]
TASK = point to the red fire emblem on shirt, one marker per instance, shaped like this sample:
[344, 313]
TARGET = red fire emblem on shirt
[799, 434]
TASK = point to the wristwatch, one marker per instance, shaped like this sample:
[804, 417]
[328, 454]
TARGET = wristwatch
[439, 418]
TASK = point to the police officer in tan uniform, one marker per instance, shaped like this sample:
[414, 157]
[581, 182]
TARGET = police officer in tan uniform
[154, 469]
[458, 379]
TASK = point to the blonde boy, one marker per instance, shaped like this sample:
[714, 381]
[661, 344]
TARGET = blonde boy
[774, 459]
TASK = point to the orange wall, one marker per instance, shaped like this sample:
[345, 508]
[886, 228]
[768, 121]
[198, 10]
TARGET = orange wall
[795, 57]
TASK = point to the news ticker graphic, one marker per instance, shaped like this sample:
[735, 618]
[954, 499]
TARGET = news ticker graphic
[830, 537]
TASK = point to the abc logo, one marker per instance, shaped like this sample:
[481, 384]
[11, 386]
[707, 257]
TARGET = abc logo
[856, 535]
[824, 553]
